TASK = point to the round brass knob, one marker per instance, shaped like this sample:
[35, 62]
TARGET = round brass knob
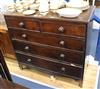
[26, 47]
[29, 60]
[63, 68]
[24, 35]
[62, 43]
[73, 64]
[62, 55]
[61, 29]
[21, 24]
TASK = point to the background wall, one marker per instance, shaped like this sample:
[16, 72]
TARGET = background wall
[4, 3]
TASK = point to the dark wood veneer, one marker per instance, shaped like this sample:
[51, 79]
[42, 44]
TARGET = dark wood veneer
[52, 66]
[52, 52]
[63, 27]
[49, 39]
[22, 22]
[55, 44]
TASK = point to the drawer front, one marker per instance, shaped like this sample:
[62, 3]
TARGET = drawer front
[66, 28]
[51, 52]
[49, 39]
[52, 66]
[22, 22]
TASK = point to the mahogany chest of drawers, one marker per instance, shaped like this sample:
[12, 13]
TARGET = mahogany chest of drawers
[56, 45]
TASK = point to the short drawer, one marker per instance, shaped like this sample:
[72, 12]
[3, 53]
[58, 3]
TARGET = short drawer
[65, 28]
[22, 22]
[71, 71]
[50, 52]
[49, 39]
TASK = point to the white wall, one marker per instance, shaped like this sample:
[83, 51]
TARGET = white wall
[3, 4]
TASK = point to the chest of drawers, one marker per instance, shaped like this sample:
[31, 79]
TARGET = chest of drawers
[56, 45]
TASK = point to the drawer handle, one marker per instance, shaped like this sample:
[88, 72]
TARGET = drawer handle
[29, 60]
[24, 35]
[26, 47]
[21, 24]
[73, 65]
[62, 55]
[61, 29]
[63, 68]
[62, 43]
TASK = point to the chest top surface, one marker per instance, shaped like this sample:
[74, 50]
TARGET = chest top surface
[84, 17]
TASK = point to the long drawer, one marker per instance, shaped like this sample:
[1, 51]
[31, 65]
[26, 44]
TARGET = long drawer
[51, 52]
[49, 39]
[22, 22]
[71, 71]
[63, 27]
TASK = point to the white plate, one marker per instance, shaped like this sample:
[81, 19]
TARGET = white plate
[69, 12]
[29, 12]
[79, 5]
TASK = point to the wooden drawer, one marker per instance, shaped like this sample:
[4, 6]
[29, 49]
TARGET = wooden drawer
[22, 22]
[49, 39]
[50, 52]
[71, 71]
[66, 28]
